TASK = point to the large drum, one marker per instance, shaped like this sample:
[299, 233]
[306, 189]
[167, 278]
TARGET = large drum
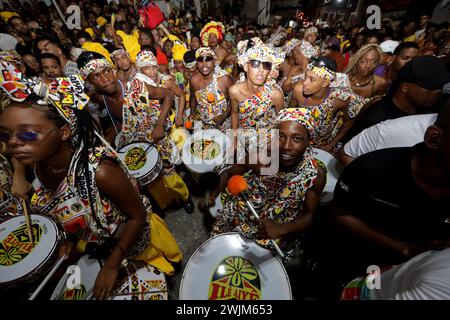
[142, 160]
[206, 151]
[138, 281]
[229, 266]
[21, 260]
[334, 169]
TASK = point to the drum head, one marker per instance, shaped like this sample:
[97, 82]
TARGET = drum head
[133, 156]
[88, 271]
[334, 169]
[205, 150]
[18, 257]
[229, 266]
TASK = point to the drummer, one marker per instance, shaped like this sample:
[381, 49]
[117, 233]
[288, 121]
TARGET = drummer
[287, 200]
[133, 113]
[209, 92]
[82, 186]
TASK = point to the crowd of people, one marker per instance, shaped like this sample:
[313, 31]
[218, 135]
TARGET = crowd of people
[374, 99]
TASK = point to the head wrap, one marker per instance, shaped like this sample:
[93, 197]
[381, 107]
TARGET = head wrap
[172, 38]
[119, 52]
[11, 83]
[146, 58]
[204, 52]
[307, 49]
[229, 37]
[290, 45]
[242, 46]
[101, 21]
[322, 71]
[178, 51]
[6, 15]
[300, 115]
[311, 30]
[261, 53]
[93, 65]
[214, 27]
[10, 56]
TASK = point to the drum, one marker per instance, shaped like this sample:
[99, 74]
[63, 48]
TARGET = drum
[334, 169]
[138, 281]
[206, 151]
[22, 261]
[229, 266]
[142, 160]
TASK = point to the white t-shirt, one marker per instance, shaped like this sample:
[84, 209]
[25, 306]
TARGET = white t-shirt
[424, 277]
[401, 132]
[7, 42]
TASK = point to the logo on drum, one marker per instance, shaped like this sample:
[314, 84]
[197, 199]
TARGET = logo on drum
[235, 279]
[135, 158]
[74, 294]
[17, 245]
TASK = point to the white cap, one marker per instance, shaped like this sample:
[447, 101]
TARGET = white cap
[389, 46]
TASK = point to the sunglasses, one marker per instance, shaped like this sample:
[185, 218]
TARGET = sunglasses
[256, 63]
[203, 59]
[24, 136]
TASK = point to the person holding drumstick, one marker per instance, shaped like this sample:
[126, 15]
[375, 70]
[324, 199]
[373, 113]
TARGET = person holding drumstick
[133, 112]
[285, 201]
[81, 184]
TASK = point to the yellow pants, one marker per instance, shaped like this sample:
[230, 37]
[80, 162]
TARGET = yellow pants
[166, 189]
[163, 247]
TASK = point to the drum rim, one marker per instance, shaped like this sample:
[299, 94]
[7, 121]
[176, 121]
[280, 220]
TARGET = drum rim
[59, 234]
[224, 234]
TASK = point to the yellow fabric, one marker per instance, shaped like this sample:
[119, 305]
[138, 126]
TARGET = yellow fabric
[163, 247]
[101, 21]
[410, 38]
[90, 31]
[135, 33]
[179, 137]
[8, 14]
[131, 44]
[96, 47]
[178, 52]
[166, 189]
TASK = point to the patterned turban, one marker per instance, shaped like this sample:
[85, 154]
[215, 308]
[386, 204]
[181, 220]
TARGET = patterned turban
[205, 52]
[214, 27]
[261, 53]
[146, 58]
[300, 115]
[93, 65]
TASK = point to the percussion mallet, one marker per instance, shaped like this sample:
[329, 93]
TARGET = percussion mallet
[47, 278]
[237, 185]
[28, 222]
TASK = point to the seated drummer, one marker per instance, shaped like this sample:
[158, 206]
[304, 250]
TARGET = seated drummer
[393, 204]
[286, 201]
[81, 185]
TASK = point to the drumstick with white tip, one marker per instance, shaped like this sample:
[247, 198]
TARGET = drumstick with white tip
[237, 185]
[47, 278]
[28, 222]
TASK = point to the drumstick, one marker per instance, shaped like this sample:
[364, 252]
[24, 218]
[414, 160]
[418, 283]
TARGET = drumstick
[145, 152]
[28, 222]
[47, 278]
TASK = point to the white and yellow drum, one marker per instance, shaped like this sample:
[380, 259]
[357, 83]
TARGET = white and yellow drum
[20, 259]
[142, 160]
[334, 170]
[138, 281]
[230, 267]
[205, 151]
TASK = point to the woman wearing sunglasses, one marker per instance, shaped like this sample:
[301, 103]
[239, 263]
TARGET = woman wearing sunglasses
[81, 184]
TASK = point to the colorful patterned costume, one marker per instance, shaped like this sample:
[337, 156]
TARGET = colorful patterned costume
[70, 205]
[207, 110]
[279, 197]
[139, 116]
[9, 205]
